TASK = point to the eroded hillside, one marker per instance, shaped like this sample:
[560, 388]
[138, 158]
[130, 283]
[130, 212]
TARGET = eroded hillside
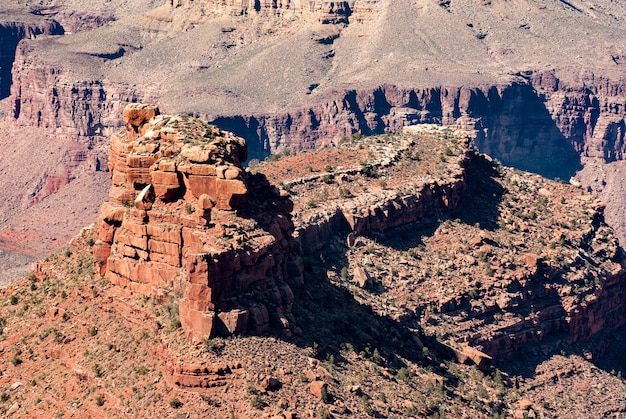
[430, 281]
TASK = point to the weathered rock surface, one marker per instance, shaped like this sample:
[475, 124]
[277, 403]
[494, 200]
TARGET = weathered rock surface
[326, 11]
[530, 124]
[500, 263]
[537, 93]
[183, 216]
[528, 263]
[12, 30]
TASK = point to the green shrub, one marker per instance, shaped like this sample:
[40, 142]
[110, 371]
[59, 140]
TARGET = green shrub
[257, 402]
[345, 193]
[403, 374]
[97, 370]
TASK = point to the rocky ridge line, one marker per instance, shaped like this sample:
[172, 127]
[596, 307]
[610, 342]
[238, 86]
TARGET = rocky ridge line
[527, 262]
[184, 217]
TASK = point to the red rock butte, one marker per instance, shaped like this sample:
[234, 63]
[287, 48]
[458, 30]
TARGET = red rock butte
[184, 218]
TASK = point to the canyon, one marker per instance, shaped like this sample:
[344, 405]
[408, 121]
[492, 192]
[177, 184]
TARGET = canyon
[374, 264]
[397, 275]
[540, 85]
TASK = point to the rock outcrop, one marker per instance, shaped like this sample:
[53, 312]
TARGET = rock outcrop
[183, 216]
[12, 31]
[81, 110]
[368, 213]
[529, 263]
[326, 11]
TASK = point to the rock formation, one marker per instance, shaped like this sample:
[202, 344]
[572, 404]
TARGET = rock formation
[326, 11]
[528, 263]
[12, 31]
[183, 216]
[365, 214]
[406, 251]
[513, 85]
[508, 122]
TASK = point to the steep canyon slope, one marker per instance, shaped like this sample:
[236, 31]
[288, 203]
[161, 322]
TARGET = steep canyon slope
[399, 275]
[539, 83]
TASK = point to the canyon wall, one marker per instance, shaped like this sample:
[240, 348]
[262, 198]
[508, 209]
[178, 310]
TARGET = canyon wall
[533, 125]
[46, 97]
[183, 217]
[326, 11]
[11, 33]
[536, 124]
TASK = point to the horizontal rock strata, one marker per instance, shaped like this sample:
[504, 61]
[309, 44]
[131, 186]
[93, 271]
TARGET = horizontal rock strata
[327, 11]
[183, 216]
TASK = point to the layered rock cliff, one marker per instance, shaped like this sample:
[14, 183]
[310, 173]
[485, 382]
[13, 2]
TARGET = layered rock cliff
[478, 255]
[529, 124]
[12, 30]
[285, 81]
[325, 11]
[439, 253]
[183, 217]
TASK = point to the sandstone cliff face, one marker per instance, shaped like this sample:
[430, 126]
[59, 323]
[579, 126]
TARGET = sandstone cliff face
[80, 110]
[520, 124]
[591, 117]
[571, 310]
[530, 119]
[183, 216]
[514, 261]
[369, 213]
[326, 11]
[11, 33]
[76, 116]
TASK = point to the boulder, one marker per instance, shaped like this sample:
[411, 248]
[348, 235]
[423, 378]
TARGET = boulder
[145, 198]
[136, 115]
[319, 389]
[361, 277]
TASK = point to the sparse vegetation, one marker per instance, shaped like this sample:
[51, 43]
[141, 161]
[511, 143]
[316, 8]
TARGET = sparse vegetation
[433, 275]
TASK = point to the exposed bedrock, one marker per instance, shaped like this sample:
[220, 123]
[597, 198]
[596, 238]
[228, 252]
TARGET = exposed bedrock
[12, 31]
[326, 11]
[184, 216]
[46, 97]
[537, 125]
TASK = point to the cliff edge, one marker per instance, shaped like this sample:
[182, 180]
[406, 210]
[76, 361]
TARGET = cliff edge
[184, 217]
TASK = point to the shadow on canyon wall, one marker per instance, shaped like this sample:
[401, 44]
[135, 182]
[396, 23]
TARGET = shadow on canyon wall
[511, 123]
[519, 131]
[11, 33]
